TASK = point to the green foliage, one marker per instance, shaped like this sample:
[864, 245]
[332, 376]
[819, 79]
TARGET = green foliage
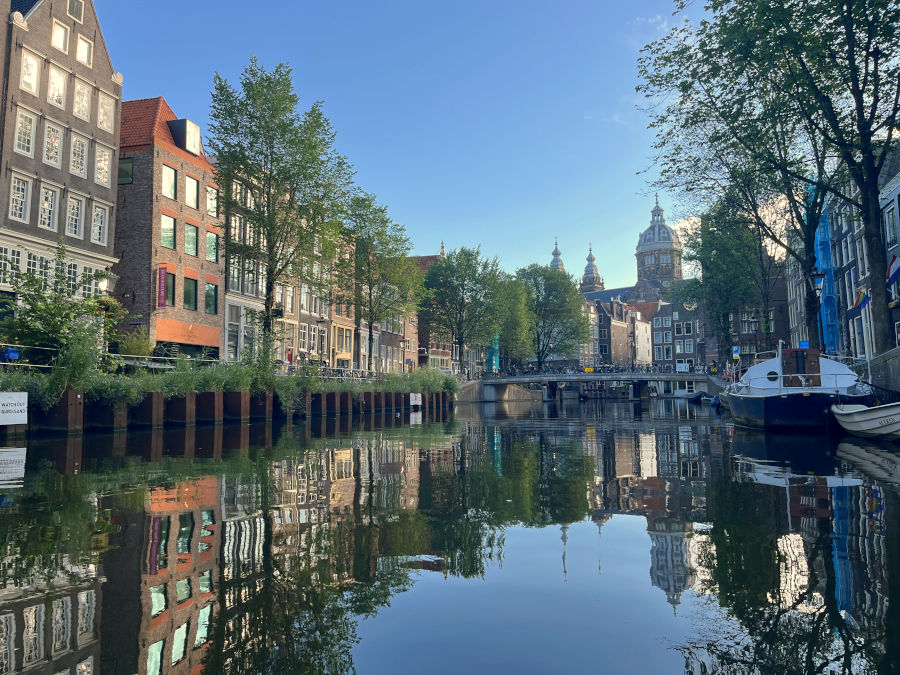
[461, 298]
[557, 323]
[292, 185]
[515, 323]
[136, 342]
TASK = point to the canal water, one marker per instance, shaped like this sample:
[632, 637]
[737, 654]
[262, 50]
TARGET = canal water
[601, 537]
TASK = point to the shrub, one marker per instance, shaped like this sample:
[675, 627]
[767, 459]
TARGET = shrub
[136, 342]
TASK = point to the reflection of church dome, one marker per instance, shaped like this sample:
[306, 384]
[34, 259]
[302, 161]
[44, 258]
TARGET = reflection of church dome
[658, 236]
[591, 281]
[557, 263]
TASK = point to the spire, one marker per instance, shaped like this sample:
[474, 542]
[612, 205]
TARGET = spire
[591, 281]
[442, 249]
[557, 263]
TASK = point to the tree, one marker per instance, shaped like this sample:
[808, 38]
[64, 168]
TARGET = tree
[283, 184]
[385, 279]
[461, 298]
[832, 68]
[558, 324]
[512, 301]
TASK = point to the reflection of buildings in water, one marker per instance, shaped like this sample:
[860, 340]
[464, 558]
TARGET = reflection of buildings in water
[669, 560]
[53, 623]
[163, 568]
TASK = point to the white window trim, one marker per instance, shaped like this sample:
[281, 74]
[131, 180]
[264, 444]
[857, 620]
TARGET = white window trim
[62, 143]
[87, 150]
[99, 205]
[37, 84]
[84, 203]
[34, 126]
[30, 181]
[187, 179]
[65, 86]
[89, 63]
[162, 187]
[68, 36]
[79, 83]
[101, 97]
[79, 20]
[58, 192]
[106, 148]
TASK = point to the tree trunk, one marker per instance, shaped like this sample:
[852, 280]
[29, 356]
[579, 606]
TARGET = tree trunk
[371, 342]
[882, 331]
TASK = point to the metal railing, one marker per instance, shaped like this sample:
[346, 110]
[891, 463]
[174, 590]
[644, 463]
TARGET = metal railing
[775, 383]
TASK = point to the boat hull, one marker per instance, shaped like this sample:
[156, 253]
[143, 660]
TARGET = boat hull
[877, 422]
[800, 410]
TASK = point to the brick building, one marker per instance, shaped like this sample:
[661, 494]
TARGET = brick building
[171, 268]
[59, 131]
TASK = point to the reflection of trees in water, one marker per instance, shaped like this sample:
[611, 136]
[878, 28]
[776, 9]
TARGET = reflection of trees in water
[780, 593]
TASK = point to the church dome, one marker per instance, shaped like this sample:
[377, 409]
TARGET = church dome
[557, 263]
[658, 236]
[591, 281]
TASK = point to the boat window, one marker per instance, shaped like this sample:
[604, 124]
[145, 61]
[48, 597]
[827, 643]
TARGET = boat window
[772, 376]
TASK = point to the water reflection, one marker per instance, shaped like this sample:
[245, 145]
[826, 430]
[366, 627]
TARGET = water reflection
[261, 549]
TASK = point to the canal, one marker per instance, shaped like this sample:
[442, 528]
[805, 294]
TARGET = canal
[602, 537]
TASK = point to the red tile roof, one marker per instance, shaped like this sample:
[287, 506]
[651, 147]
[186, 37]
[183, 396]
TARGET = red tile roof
[426, 261]
[144, 124]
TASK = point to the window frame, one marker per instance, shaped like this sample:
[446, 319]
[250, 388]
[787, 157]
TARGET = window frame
[210, 190]
[98, 149]
[196, 251]
[29, 191]
[83, 200]
[170, 289]
[28, 55]
[102, 100]
[65, 86]
[68, 34]
[87, 146]
[215, 298]
[80, 3]
[163, 182]
[81, 85]
[215, 248]
[21, 113]
[164, 218]
[55, 218]
[95, 207]
[62, 142]
[188, 181]
[130, 161]
[81, 39]
[196, 286]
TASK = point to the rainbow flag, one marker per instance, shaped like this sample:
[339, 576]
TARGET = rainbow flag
[861, 300]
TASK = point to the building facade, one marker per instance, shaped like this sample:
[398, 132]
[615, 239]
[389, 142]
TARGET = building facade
[59, 132]
[171, 265]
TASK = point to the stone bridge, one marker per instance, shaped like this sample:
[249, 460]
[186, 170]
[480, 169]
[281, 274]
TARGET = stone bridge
[666, 384]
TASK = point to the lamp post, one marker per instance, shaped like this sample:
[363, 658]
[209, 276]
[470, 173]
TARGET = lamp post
[817, 279]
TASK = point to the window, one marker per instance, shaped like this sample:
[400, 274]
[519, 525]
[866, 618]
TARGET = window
[99, 224]
[212, 299]
[56, 88]
[76, 10]
[154, 658]
[59, 36]
[234, 331]
[667, 321]
[190, 297]
[53, 136]
[678, 329]
[75, 217]
[179, 643]
[31, 73]
[212, 202]
[205, 581]
[25, 124]
[102, 164]
[658, 353]
[212, 247]
[167, 236]
[182, 590]
[33, 634]
[689, 328]
[61, 624]
[289, 299]
[602, 333]
[81, 106]
[72, 278]
[668, 336]
[648, 259]
[192, 192]
[126, 171]
[202, 635]
[679, 346]
[49, 205]
[658, 336]
[78, 158]
[85, 51]
[665, 258]
[190, 239]
[159, 600]
[301, 342]
[106, 107]
[169, 181]
[689, 346]
[668, 353]
[20, 198]
[657, 321]
[890, 227]
[170, 290]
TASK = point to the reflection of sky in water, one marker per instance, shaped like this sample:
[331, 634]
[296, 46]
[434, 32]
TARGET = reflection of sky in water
[606, 617]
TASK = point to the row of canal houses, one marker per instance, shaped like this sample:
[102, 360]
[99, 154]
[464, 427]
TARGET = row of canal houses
[128, 188]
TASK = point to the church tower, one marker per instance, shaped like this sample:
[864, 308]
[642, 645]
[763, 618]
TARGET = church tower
[658, 251]
[557, 263]
[591, 281]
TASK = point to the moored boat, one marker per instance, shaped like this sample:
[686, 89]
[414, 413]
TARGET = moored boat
[880, 421]
[794, 390]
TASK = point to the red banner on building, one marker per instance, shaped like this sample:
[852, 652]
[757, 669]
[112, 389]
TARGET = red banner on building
[161, 288]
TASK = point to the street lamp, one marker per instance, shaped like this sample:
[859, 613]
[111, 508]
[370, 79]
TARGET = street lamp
[817, 279]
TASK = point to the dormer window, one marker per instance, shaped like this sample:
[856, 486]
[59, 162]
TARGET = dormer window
[76, 10]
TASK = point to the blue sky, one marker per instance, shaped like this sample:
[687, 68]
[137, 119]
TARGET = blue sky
[501, 123]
